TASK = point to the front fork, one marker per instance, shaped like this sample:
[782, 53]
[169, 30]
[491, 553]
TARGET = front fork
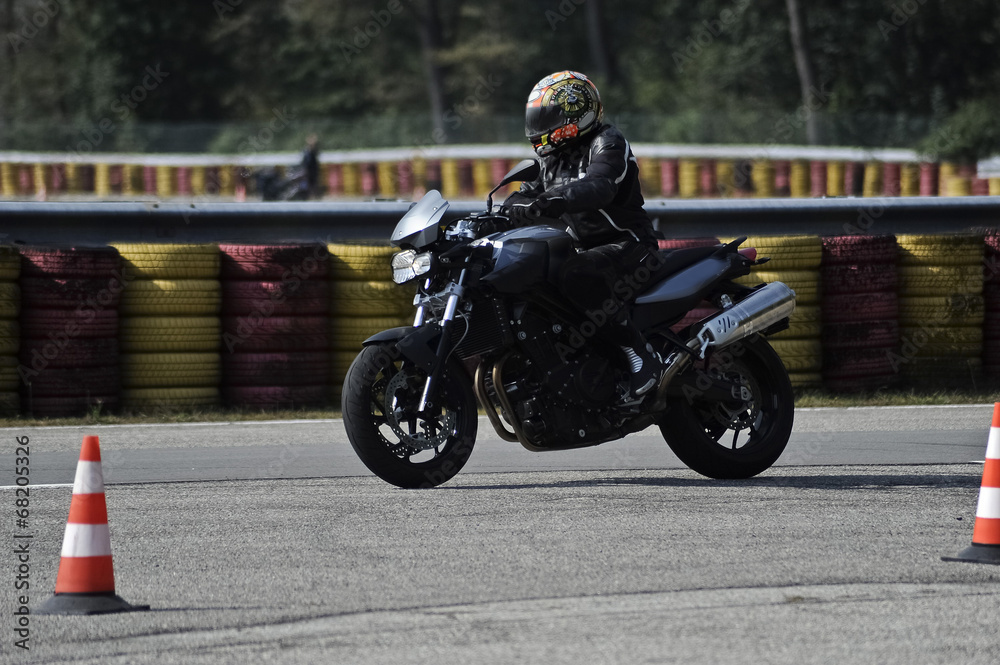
[455, 292]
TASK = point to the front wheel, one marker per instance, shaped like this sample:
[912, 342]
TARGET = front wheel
[734, 440]
[380, 399]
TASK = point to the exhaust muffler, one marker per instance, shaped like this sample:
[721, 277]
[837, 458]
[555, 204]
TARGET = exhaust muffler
[758, 311]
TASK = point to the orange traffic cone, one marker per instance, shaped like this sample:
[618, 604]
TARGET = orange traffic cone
[985, 546]
[85, 583]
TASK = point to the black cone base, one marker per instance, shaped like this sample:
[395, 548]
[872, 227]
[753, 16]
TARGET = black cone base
[86, 603]
[977, 554]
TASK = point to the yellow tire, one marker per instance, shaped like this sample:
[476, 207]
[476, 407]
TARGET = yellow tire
[187, 297]
[371, 299]
[9, 378]
[10, 263]
[799, 355]
[169, 399]
[805, 283]
[10, 337]
[10, 300]
[10, 403]
[360, 262]
[805, 379]
[796, 252]
[945, 335]
[941, 311]
[153, 334]
[170, 370]
[804, 323]
[170, 261]
[941, 250]
[347, 332]
[936, 280]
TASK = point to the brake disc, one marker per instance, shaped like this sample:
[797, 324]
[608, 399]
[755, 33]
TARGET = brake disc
[417, 440]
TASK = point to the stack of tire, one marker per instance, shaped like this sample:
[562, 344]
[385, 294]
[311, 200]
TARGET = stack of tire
[704, 309]
[69, 329]
[941, 309]
[275, 332]
[860, 312]
[170, 327]
[363, 301]
[795, 260]
[10, 331]
[991, 298]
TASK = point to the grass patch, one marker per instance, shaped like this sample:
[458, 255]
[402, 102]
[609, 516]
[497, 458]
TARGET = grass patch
[818, 398]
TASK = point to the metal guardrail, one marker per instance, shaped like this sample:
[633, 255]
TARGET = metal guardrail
[90, 223]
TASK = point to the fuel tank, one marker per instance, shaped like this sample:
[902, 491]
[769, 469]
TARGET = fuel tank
[527, 257]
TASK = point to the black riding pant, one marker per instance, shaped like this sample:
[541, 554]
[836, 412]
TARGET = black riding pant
[601, 282]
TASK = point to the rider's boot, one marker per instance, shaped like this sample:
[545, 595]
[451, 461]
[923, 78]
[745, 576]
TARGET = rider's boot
[645, 368]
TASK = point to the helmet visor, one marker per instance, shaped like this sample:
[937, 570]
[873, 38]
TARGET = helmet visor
[539, 120]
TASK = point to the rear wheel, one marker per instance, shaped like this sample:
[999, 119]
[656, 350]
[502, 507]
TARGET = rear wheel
[380, 400]
[738, 439]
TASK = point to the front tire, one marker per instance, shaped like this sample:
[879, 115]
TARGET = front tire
[380, 398]
[734, 441]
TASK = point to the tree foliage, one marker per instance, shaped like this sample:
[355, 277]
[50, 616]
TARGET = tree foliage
[419, 72]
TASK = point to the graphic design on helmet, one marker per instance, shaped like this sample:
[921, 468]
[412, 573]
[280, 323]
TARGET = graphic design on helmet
[561, 107]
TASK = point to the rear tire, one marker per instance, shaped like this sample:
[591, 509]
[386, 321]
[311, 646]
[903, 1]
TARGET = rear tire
[738, 442]
[404, 450]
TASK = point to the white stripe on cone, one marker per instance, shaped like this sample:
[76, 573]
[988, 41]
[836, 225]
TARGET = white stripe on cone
[89, 478]
[993, 447]
[86, 540]
[989, 503]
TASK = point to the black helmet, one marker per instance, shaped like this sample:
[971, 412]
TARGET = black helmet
[561, 107]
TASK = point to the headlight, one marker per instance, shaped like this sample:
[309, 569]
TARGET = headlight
[408, 265]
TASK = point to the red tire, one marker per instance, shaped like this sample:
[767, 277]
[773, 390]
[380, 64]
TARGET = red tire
[276, 397]
[275, 369]
[861, 334]
[685, 243]
[275, 333]
[84, 323]
[859, 278]
[855, 307]
[839, 250]
[72, 382]
[275, 262]
[68, 352]
[71, 293]
[274, 298]
[77, 262]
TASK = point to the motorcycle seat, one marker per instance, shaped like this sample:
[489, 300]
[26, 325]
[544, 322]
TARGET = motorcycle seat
[675, 260]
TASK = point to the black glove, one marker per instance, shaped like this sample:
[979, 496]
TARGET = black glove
[528, 212]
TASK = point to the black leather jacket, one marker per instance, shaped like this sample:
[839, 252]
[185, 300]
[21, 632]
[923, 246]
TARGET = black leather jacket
[599, 182]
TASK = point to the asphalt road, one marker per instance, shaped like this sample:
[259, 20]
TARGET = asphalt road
[609, 555]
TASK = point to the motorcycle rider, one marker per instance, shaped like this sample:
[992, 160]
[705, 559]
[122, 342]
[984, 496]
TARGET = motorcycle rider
[590, 180]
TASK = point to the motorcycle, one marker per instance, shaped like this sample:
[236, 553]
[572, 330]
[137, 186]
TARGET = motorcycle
[272, 186]
[492, 329]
